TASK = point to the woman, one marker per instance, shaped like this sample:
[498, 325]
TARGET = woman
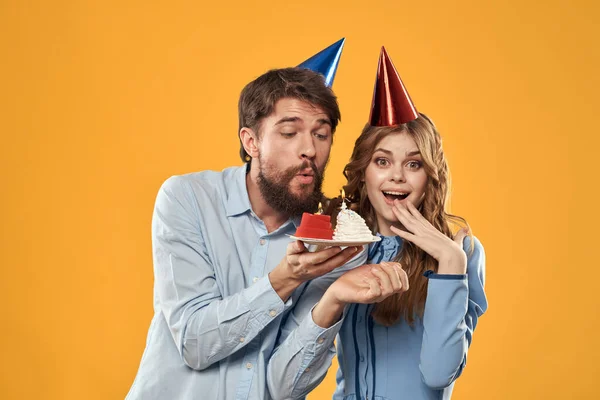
[412, 345]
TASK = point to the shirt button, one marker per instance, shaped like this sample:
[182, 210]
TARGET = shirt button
[362, 359]
[255, 279]
[249, 365]
[262, 242]
[242, 339]
[272, 313]
[321, 340]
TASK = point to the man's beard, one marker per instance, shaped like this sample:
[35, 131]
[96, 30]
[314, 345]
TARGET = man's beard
[275, 189]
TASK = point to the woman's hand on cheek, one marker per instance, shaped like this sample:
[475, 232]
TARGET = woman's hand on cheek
[448, 252]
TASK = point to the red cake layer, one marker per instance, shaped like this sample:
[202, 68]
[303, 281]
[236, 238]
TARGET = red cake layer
[315, 227]
[315, 233]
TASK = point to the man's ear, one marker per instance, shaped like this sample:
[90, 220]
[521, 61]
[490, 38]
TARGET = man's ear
[249, 140]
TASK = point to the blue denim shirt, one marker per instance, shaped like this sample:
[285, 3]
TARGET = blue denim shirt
[389, 363]
[419, 362]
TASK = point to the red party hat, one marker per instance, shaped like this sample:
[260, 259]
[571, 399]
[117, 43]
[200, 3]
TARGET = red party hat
[391, 103]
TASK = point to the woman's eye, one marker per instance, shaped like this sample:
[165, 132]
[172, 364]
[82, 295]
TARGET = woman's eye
[382, 162]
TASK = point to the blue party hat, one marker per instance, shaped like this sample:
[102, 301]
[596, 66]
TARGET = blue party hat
[326, 61]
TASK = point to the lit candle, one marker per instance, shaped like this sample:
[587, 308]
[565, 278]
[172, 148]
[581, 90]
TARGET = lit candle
[343, 199]
[320, 209]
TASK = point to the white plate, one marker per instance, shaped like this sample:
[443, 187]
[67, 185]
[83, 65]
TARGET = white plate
[325, 242]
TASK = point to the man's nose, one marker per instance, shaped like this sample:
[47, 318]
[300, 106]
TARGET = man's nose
[307, 147]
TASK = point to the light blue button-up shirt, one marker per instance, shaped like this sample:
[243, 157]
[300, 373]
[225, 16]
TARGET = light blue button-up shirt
[217, 317]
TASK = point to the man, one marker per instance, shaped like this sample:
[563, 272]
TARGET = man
[225, 277]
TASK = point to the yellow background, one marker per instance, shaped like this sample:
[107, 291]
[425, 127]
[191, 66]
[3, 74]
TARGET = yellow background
[103, 100]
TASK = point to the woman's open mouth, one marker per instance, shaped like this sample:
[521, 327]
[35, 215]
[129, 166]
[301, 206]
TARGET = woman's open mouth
[390, 196]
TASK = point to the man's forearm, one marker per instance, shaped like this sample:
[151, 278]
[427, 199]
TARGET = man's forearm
[216, 330]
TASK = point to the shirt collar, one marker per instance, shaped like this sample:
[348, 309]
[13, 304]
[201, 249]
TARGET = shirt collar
[387, 243]
[238, 201]
[296, 221]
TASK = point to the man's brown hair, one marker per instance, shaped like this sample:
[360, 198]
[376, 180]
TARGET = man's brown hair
[258, 98]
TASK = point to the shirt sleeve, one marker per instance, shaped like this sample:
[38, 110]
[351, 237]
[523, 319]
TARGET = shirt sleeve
[205, 327]
[305, 350]
[453, 305]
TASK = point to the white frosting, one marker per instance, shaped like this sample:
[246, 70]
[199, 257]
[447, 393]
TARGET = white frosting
[351, 226]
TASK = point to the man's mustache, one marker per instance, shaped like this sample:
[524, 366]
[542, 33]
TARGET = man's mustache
[303, 166]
